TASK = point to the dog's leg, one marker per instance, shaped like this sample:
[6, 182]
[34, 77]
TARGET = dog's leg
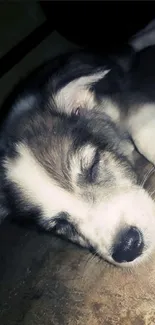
[141, 126]
[144, 38]
[141, 117]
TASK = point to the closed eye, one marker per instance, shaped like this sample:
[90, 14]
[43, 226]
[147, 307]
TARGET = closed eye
[76, 112]
[92, 172]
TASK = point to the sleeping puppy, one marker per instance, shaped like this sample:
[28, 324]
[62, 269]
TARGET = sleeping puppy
[68, 149]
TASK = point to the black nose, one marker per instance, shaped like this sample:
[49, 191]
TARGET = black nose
[129, 245]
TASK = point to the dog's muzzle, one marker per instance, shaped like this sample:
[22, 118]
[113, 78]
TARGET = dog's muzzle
[128, 246]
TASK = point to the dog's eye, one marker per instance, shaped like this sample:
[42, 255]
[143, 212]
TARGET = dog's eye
[93, 170]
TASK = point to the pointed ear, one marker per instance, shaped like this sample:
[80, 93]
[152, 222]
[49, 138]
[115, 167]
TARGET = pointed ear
[78, 93]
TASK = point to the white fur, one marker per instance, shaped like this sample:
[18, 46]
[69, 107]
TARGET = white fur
[100, 219]
[82, 157]
[77, 93]
[111, 110]
[141, 126]
[144, 38]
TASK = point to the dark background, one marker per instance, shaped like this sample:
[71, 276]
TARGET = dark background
[100, 24]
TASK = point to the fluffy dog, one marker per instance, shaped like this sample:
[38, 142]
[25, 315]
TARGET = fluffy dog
[68, 149]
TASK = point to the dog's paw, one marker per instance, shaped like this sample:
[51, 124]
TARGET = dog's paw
[141, 127]
[144, 140]
[144, 38]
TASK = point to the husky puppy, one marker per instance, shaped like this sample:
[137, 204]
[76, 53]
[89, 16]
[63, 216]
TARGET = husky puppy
[68, 150]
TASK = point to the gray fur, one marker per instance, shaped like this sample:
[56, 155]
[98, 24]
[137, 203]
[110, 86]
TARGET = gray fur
[75, 173]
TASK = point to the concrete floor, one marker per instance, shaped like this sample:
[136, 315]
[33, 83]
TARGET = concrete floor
[32, 291]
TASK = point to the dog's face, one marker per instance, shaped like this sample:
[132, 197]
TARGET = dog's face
[73, 165]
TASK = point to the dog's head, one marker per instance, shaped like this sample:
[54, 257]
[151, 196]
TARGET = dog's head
[72, 163]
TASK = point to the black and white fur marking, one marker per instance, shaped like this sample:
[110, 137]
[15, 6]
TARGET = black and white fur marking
[67, 153]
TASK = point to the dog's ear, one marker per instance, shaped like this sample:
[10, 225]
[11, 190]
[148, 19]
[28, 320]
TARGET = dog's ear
[78, 93]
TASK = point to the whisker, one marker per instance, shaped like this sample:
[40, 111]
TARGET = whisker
[89, 263]
[149, 189]
[151, 194]
[147, 175]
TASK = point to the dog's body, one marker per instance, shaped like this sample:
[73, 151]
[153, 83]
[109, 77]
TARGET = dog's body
[68, 155]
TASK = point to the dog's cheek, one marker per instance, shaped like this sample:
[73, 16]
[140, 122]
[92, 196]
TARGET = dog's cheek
[64, 228]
